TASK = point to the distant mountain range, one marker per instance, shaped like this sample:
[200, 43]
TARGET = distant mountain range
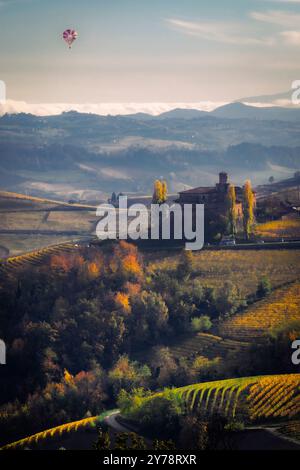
[236, 110]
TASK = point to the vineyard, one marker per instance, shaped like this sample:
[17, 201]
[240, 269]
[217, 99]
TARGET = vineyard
[57, 431]
[288, 228]
[259, 398]
[280, 308]
[214, 267]
[204, 344]
[9, 197]
[34, 258]
[208, 345]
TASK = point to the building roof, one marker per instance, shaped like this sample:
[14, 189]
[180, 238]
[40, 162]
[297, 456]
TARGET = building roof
[199, 190]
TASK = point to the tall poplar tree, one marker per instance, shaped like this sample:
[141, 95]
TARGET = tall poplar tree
[164, 191]
[160, 192]
[248, 208]
[231, 209]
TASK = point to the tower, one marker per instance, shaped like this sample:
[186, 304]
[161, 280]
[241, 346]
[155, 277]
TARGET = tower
[223, 178]
[223, 184]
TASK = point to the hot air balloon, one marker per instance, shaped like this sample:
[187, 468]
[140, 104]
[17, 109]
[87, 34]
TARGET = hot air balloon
[69, 35]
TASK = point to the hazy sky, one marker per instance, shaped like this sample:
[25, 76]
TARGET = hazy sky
[148, 50]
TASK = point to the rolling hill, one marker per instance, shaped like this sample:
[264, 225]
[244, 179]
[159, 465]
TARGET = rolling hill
[85, 156]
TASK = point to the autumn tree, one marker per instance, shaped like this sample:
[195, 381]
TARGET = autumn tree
[157, 192]
[185, 265]
[127, 374]
[122, 301]
[248, 208]
[160, 192]
[125, 261]
[231, 209]
[164, 191]
[150, 313]
[65, 262]
[229, 299]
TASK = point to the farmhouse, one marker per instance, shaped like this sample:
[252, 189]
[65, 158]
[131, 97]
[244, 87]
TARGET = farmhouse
[215, 203]
[214, 197]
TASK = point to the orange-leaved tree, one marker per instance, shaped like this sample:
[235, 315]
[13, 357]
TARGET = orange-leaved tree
[122, 301]
[126, 261]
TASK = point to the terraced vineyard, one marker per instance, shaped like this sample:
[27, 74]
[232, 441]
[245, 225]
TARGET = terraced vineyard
[243, 268]
[259, 398]
[33, 258]
[278, 309]
[208, 345]
[49, 433]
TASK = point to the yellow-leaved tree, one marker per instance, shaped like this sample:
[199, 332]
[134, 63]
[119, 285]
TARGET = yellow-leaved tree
[248, 208]
[231, 209]
[164, 191]
[160, 192]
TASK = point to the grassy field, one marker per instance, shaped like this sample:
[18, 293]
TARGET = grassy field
[288, 228]
[278, 309]
[243, 268]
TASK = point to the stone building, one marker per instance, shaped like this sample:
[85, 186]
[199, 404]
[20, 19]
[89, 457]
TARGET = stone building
[214, 199]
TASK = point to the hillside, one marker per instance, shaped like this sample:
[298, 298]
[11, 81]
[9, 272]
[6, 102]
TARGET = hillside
[30, 223]
[288, 228]
[265, 397]
[260, 399]
[213, 268]
[85, 156]
[280, 308]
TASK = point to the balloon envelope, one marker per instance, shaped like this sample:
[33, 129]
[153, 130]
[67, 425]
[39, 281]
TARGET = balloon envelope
[69, 35]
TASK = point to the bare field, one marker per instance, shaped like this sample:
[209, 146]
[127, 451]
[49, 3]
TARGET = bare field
[48, 220]
[21, 214]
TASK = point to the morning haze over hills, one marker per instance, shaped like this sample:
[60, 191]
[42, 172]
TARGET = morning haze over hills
[86, 156]
[115, 332]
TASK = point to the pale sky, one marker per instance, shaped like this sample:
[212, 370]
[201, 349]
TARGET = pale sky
[148, 51]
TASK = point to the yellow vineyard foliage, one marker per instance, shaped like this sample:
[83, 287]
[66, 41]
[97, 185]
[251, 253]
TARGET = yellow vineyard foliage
[213, 267]
[289, 228]
[280, 308]
[275, 396]
[58, 430]
[34, 258]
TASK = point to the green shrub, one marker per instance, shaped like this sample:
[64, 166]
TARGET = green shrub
[200, 324]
